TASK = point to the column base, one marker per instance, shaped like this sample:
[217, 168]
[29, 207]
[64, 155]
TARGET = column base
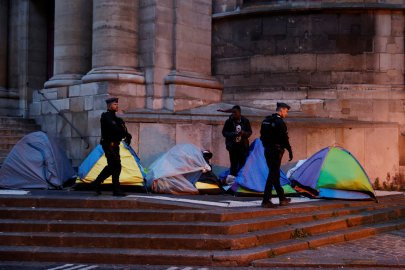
[113, 73]
[190, 90]
[63, 80]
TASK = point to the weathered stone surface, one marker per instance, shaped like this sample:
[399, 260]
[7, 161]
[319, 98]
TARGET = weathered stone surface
[155, 139]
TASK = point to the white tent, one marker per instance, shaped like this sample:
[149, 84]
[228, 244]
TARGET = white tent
[176, 171]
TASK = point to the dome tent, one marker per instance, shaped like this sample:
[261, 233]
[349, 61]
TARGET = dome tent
[36, 161]
[132, 172]
[252, 177]
[333, 172]
[179, 171]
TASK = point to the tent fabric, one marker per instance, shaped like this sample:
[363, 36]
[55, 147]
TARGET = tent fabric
[335, 173]
[177, 170]
[132, 172]
[252, 177]
[36, 161]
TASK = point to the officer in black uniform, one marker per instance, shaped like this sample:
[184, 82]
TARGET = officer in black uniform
[113, 131]
[274, 136]
[237, 131]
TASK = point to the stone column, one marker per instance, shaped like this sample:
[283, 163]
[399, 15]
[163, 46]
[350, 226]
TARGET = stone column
[72, 49]
[115, 42]
[3, 43]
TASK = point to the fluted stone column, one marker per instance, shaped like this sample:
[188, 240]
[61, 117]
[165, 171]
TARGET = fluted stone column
[115, 42]
[3, 43]
[72, 49]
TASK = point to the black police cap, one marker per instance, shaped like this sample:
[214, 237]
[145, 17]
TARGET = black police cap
[283, 105]
[111, 100]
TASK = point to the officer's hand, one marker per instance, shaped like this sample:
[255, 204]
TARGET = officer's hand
[290, 155]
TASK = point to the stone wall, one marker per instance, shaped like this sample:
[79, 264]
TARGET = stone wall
[153, 134]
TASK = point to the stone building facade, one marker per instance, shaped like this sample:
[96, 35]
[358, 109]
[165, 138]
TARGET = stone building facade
[173, 63]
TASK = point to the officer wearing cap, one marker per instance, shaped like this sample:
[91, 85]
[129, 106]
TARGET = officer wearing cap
[274, 136]
[113, 131]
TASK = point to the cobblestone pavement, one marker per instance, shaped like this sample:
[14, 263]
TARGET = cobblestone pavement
[383, 250]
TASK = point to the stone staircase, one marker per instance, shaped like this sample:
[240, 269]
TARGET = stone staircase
[12, 129]
[147, 231]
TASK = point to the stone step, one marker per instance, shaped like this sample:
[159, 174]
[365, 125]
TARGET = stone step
[201, 241]
[328, 238]
[186, 257]
[21, 132]
[171, 227]
[11, 119]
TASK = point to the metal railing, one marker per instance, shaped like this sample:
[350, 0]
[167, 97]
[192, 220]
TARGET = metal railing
[84, 138]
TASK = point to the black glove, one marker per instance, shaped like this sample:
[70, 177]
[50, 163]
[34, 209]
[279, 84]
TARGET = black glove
[128, 139]
[290, 155]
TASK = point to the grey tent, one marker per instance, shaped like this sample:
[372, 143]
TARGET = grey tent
[36, 161]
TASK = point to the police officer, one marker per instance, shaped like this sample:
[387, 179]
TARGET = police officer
[113, 131]
[274, 136]
[236, 131]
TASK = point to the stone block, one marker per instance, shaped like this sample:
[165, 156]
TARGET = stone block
[63, 92]
[89, 89]
[94, 123]
[63, 128]
[46, 108]
[302, 62]
[320, 79]
[312, 106]
[319, 138]
[221, 155]
[374, 164]
[380, 44]
[154, 140]
[62, 104]
[35, 109]
[372, 61]
[240, 65]
[298, 94]
[349, 138]
[77, 104]
[48, 124]
[81, 123]
[276, 63]
[298, 141]
[347, 77]
[195, 133]
[340, 62]
[397, 24]
[134, 129]
[99, 102]
[74, 90]
[88, 103]
[322, 94]
[383, 23]
[50, 94]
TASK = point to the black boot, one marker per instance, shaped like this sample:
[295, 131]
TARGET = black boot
[268, 204]
[284, 201]
[96, 186]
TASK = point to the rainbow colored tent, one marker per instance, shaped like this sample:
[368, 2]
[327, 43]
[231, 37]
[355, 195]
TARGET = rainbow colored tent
[333, 172]
[132, 172]
[252, 178]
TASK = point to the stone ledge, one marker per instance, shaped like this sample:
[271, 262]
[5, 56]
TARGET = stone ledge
[192, 79]
[300, 6]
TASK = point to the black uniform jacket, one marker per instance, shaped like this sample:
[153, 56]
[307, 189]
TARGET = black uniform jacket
[229, 132]
[273, 133]
[112, 128]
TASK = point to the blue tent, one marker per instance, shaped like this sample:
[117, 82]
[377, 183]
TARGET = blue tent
[36, 161]
[252, 177]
